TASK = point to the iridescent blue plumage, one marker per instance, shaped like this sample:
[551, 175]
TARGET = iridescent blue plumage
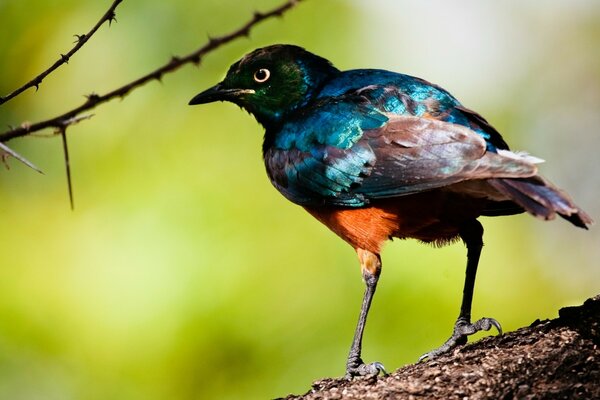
[320, 155]
[407, 95]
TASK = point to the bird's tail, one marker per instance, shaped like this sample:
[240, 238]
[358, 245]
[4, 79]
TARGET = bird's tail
[541, 199]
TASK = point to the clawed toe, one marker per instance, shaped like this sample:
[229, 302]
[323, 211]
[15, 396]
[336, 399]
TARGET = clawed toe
[462, 330]
[362, 369]
[485, 324]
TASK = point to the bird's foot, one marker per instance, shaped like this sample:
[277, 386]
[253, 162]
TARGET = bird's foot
[462, 329]
[356, 367]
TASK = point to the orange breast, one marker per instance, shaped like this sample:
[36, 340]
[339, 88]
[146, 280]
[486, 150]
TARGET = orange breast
[365, 228]
[433, 216]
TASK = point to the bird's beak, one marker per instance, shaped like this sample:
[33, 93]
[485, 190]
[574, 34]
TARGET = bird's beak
[218, 93]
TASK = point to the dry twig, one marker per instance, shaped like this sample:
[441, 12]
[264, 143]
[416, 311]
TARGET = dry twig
[93, 100]
[108, 16]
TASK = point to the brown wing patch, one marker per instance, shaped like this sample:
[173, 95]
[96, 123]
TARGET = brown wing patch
[416, 154]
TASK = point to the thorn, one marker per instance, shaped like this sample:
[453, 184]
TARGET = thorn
[196, 61]
[92, 97]
[37, 86]
[212, 42]
[258, 15]
[175, 60]
[79, 38]
[63, 133]
[7, 150]
[74, 120]
[111, 17]
[64, 58]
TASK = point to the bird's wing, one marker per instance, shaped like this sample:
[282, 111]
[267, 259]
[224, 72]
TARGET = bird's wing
[382, 158]
[415, 154]
[319, 157]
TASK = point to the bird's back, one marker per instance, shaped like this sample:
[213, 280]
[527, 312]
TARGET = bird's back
[408, 95]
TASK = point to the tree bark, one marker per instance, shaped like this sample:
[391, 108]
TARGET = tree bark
[552, 359]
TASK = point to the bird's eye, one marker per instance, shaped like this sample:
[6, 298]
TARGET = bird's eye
[262, 75]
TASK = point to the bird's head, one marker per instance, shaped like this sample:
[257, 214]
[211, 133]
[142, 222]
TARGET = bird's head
[270, 82]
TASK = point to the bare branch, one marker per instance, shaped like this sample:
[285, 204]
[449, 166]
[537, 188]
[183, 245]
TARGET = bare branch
[174, 63]
[64, 58]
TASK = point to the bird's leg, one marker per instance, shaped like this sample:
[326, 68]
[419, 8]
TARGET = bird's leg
[472, 235]
[370, 264]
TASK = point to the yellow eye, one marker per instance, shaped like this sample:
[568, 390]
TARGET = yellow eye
[262, 75]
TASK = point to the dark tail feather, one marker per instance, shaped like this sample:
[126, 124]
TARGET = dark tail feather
[541, 199]
[498, 208]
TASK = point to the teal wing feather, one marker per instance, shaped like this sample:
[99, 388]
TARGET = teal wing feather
[320, 157]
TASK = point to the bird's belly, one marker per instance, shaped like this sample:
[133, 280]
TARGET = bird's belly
[433, 217]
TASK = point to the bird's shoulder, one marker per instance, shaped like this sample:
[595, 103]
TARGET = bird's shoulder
[417, 89]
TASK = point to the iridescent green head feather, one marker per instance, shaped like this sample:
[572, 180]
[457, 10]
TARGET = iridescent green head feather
[271, 81]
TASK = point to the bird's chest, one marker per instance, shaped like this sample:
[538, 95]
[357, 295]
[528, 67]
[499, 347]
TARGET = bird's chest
[300, 176]
[280, 165]
[319, 174]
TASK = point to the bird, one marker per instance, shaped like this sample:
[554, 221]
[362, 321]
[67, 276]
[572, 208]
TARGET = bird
[376, 155]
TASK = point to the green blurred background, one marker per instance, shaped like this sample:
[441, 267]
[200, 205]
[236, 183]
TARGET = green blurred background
[183, 274]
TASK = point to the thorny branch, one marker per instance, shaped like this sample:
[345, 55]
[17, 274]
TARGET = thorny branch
[108, 16]
[93, 100]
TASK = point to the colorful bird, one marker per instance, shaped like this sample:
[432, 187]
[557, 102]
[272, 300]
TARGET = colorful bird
[376, 155]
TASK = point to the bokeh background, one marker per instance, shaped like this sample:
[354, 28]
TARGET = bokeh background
[182, 274]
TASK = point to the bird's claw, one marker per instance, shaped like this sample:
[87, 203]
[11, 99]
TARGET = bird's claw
[362, 369]
[462, 329]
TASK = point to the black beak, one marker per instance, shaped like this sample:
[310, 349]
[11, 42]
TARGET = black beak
[217, 93]
[214, 93]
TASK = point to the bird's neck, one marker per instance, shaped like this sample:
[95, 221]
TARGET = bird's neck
[268, 140]
[271, 121]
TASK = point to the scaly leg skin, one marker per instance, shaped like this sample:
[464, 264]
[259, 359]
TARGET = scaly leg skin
[371, 267]
[462, 329]
[471, 234]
